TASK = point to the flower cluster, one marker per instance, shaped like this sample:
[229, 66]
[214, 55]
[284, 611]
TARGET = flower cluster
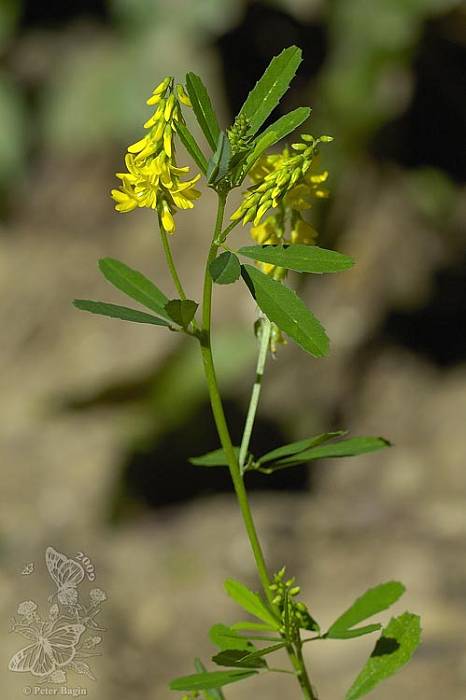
[284, 177]
[287, 181]
[153, 179]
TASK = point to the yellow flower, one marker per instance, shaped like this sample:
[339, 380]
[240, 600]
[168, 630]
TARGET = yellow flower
[182, 96]
[267, 232]
[153, 179]
[283, 175]
[166, 218]
[302, 232]
[288, 182]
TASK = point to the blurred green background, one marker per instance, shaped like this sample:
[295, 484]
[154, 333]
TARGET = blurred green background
[99, 417]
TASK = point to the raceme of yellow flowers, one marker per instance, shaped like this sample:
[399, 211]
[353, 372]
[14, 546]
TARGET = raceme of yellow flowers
[153, 179]
[283, 180]
[286, 181]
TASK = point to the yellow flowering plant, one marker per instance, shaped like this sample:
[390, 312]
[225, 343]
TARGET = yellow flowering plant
[283, 187]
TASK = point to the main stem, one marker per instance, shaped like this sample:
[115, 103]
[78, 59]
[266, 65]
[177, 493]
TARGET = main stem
[219, 414]
[225, 440]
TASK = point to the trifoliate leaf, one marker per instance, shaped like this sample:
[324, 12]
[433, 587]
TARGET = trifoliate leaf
[298, 257]
[371, 602]
[343, 448]
[299, 446]
[393, 650]
[219, 163]
[206, 681]
[216, 458]
[202, 108]
[287, 124]
[134, 284]
[212, 693]
[225, 269]
[227, 638]
[181, 311]
[250, 602]
[283, 306]
[121, 312]
[238, 659]
[189, 142]
[269, 90]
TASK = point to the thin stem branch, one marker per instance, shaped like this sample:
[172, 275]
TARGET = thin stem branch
[222, 235]
[171, 263]
[256, 390]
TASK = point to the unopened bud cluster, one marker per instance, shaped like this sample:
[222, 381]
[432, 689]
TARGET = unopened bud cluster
[284, 593]
[283, 588]
[238, 135]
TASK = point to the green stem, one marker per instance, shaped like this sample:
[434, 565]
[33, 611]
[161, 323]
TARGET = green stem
[171, 263]
[303, 677]
[218, 412]
[256, 390]
[222, 235]
[225, 440]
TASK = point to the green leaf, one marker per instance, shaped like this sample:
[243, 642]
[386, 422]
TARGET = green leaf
[227, 638]
[134, 284]
[302, 258]
[371, 602]
[181, 311]
[265, 651]
[202, 107]
[282, 306]
[115, 311]
[219, 163]
[250, 602]
[238, 659]
[213, 693]
[308, 622]
[393, 650]
[299, 446]
[253, 626]
[189, 142]
[356, 632]
[225, 269]
[263, 142]
[216, 458]
[343, 448]
[206, 681]
[269, 90]
[287, 124]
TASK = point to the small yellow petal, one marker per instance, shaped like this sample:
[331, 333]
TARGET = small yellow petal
[154, 99]
[161, 87]
[303, 233]
[183, 96]
[138, 146]
[167, 140]
[168, 222]
[169, 108]
[318, 178]
[237, 214]
[267, 268]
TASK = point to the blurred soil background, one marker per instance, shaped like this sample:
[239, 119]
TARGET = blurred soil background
[98, 417]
